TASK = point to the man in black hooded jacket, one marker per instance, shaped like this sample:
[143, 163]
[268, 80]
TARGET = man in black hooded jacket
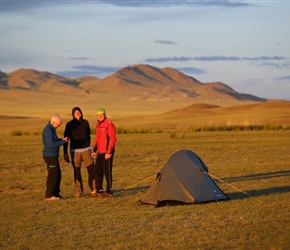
[79, 133]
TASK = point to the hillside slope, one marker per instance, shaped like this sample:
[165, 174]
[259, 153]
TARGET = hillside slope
[137, 82]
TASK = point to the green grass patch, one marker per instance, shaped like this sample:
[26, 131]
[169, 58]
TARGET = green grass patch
[16, 133]
[208, 128]
[267, 127]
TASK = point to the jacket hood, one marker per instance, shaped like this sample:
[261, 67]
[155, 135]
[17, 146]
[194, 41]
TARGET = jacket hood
[74, 110]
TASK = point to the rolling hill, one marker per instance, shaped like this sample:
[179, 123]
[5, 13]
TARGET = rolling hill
[133, 91]
[134, 96]
[138, 82]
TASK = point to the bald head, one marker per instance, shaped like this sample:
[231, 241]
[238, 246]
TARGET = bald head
[56, 121]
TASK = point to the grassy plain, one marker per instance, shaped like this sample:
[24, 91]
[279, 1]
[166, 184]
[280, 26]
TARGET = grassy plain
[29, 114]
[256, 162]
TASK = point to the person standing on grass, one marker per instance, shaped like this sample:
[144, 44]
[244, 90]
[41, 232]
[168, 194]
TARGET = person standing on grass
[50, 154]
[104, 145]
[79, 132]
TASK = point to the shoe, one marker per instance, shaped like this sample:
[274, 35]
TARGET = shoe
[60, 196]
[52, 198]
[96, 194]
[107, 195]
[93, 194]
[78, 194]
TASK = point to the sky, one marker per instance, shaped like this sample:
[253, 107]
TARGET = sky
[243, 44]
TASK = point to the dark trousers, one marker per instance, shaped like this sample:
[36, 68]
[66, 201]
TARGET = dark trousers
[104, 167]
[53, 176]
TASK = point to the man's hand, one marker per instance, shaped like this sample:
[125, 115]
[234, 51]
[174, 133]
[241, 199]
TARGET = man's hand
[66, 158]
[108, 156]
[66, 139]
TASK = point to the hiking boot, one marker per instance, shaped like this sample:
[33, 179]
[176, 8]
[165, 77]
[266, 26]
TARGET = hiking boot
[52, 198]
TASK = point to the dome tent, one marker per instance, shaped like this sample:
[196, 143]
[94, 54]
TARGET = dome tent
[183, 179]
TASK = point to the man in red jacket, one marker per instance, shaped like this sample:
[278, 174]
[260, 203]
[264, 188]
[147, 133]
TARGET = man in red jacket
[104, 145]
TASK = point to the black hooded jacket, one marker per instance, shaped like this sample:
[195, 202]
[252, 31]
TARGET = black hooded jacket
[78, 131]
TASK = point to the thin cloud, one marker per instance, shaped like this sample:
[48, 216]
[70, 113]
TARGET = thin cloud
[158, 3]
[21, 5]
[283, 78]
[74, 73]
[235, 58]
[213, 58]
[88, 70]
[168, 59]
[272, 65]
[81, 58]
[192, 70]
[97, 68]
[165, 42]
[103, 71]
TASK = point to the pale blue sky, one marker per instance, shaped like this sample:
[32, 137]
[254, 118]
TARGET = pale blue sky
[244, 44]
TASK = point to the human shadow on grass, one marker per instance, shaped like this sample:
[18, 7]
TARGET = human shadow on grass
[14, 189]
[257, 193]
[235, 195]
[232, 196]
[259, 176]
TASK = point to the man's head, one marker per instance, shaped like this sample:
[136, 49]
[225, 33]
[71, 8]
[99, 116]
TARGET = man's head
[77, 113]
[56, 121]
[101, 114]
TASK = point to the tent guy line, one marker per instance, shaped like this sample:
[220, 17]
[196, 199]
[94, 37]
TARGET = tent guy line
[130, 187]
[211, 175]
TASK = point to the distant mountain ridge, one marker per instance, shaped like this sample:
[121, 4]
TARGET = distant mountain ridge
[137, 82]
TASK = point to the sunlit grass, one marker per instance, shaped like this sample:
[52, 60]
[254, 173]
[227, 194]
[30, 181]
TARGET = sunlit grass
[256, 162]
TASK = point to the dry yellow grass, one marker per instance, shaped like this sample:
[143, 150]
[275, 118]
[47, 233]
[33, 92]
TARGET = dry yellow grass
[30, 110]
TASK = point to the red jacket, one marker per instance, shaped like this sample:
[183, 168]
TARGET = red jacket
[105, 137]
